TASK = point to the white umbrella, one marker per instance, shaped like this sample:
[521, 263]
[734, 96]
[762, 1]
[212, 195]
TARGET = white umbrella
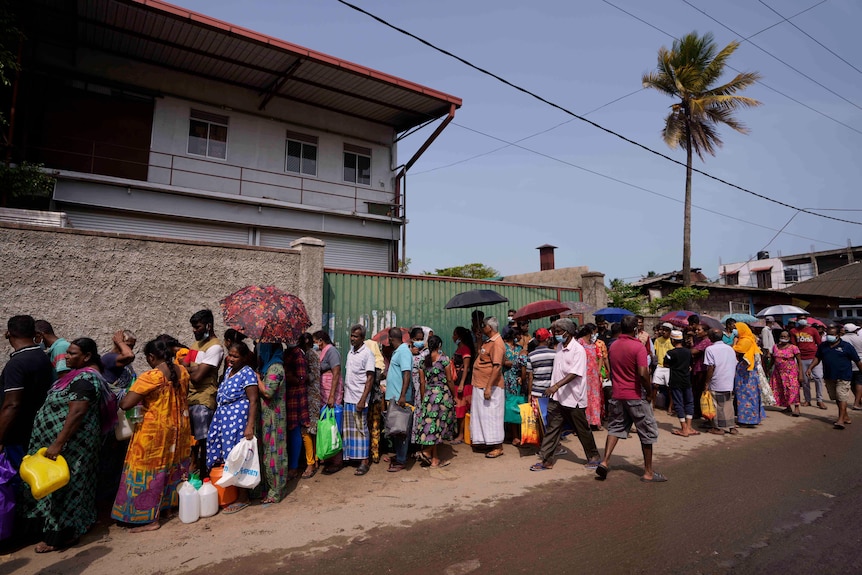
[781, 310]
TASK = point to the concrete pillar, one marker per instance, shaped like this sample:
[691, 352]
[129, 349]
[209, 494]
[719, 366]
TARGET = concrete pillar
[310, 280]
[593, 292]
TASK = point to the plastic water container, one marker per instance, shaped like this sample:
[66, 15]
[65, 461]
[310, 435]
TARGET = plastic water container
[209, 499]
[190, 503]
[43, 475]
[123, 429]
[226, 495]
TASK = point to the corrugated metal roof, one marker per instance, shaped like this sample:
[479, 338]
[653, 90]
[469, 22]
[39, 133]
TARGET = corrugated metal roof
[164, 35]
[844, 282]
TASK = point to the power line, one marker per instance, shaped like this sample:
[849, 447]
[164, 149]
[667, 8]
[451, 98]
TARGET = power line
[771, 55]
[818, 42]
[760, 82]
[638, 187]
[586, 120]
[525, 138]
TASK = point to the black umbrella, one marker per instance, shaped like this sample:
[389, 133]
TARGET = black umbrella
[475, 298]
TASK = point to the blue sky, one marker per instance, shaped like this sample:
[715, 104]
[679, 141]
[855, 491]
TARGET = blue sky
[496, 209]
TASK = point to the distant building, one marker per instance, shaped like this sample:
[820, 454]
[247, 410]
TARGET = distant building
[844, 283]
[784, 271]
[156, 120]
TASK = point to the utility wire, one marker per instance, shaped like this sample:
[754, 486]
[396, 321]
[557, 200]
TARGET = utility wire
[751, 259]
[818, 42]
[771, 55]
[636, 186]
[583, 119]
[760, 82]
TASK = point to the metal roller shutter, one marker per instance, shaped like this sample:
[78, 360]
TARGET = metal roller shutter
[340, 252]
[157, 227]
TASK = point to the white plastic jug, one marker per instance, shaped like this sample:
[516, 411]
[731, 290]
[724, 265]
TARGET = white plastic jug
[190, 503]
[123, 428]
[209, 498]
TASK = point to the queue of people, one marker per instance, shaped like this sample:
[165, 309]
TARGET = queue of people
[63, 395]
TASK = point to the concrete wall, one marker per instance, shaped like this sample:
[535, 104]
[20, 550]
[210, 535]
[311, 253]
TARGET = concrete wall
[591, 284]
[92, 283]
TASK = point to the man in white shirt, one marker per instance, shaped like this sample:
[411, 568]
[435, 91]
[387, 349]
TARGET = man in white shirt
[852, 337]
[720, 361]
[568, 393]
[358, 381]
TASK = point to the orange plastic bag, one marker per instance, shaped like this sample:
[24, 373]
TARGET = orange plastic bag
[529, 425]
[707, 405]
[467, 428]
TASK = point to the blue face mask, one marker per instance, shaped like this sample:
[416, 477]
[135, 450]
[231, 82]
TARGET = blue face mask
[831, 338]
[316, 347]
[560, 338]
[418, 344]
[735, 333]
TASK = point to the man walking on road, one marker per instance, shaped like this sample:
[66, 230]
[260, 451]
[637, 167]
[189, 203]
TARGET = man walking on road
[720, 361]
[852, 337]
[837, 357]
[568, 393]
[631, 385]
[807, 339]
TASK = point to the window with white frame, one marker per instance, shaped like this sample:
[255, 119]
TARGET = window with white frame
[791, 275]
[208, 135]
[300, 156]
[357, 164]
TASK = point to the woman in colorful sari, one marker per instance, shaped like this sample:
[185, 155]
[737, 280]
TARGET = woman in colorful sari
[436, 412]
[236, 413]
[787, 374]
[68, 424]
[159, 452]
[588, 337]
[312, 360]
[746, 384]
[273, 452]
[331, 389]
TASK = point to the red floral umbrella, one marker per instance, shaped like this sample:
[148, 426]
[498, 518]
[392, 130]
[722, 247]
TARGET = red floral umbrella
[677, 318]
[266, 314]
[541, 308]
[382, 337]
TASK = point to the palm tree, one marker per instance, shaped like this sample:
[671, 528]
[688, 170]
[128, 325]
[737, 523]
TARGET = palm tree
[687, 72]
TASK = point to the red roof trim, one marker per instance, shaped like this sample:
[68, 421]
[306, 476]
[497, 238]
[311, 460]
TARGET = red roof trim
[277, 43]
[761, 269]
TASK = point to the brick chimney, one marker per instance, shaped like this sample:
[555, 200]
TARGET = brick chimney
[546, 257]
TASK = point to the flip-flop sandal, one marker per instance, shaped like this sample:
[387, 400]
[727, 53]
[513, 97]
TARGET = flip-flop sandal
[361, 470]
[494, 454]
[456, 442]
[679, 433]
[837, 425]
[656, 478]
[235, 508]
[540, 467]
[309, 473]
[591, 465]
[602, 471]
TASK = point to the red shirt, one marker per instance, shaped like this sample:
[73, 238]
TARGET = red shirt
[627, 354]
[806, 339]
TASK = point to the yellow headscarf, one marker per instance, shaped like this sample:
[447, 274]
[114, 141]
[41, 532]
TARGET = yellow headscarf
[746, 344]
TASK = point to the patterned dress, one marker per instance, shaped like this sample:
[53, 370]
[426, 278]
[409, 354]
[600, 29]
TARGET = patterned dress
[69, 512]
[785, 375]
[436, 421]
[314, 397]
[595, 396]
[273, 440]
[231, 415]
[159, 451]
[746, 387]
[512, 383]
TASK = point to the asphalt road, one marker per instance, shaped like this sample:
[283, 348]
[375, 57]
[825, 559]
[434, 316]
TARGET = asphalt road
[785, 502]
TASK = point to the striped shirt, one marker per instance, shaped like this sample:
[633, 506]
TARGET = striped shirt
[540, 362]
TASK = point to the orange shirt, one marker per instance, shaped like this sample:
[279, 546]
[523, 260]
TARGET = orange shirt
[487, 370]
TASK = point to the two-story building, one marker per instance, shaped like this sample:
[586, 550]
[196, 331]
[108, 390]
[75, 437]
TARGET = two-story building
[780, 272]
[160, 121]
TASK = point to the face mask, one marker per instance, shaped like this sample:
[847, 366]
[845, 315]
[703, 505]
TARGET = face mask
[735, 333]
[485, 338]
[594, 337]
[831, 338]
[457, 342]
[560, 338]
[801, 323]
[784, 340]
[418, 344]
[42, 346]
[315, 347]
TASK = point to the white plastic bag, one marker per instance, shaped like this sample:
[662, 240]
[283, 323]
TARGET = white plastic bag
[242, 467]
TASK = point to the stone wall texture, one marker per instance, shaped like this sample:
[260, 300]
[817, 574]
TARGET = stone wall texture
[92, 283]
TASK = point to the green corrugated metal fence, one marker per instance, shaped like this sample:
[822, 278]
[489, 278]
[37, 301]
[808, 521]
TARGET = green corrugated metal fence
[379, 300]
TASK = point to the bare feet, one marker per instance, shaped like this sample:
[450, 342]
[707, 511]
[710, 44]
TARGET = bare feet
[154, 526]
[43, 547]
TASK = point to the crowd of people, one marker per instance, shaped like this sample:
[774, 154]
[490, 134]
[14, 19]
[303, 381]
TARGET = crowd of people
[189, 411]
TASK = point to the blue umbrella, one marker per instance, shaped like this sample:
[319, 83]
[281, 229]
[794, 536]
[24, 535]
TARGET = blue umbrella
[612, 314]
[740, 317]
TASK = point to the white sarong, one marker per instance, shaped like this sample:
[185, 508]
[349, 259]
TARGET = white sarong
[486, 417]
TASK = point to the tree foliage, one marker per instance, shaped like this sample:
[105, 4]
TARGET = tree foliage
[678, 299]
[473, 271]
[625, 295]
